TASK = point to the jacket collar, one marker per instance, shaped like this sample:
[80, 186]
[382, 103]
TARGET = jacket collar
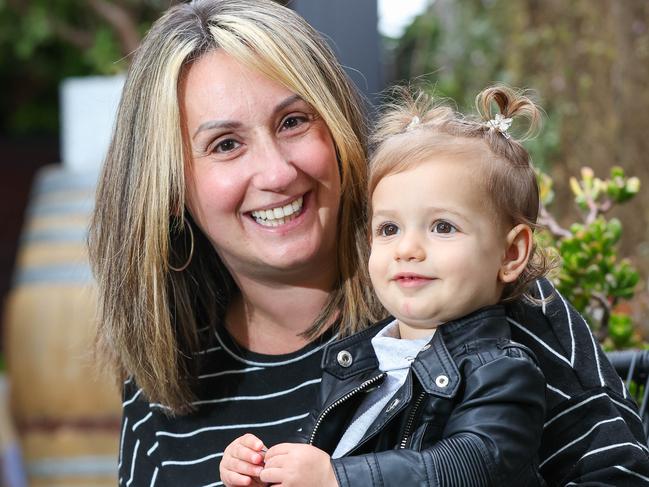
[434, 366]
[487, 322]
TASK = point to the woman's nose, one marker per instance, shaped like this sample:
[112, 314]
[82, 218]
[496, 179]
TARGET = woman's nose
[410, 248]
[275, 169]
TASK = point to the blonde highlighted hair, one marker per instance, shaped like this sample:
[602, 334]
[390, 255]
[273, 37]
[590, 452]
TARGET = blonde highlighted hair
[414, 128]
[149, 314]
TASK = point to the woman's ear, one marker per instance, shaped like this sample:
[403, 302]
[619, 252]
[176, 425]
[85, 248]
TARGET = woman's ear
[519, 242]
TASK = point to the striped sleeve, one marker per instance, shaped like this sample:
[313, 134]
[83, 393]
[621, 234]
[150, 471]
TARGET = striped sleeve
[592, 432]
[136, 465]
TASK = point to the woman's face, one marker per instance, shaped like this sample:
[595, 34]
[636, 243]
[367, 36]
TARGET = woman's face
[263, 181]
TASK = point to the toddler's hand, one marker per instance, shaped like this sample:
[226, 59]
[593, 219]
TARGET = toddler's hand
[290, 464]
[242, 462]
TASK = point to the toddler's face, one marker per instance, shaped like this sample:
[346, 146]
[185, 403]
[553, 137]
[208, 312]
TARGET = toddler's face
[437, 245]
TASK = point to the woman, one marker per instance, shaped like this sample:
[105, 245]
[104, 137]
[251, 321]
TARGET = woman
[228, 245]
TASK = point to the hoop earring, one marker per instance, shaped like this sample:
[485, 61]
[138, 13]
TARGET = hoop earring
[191, 253]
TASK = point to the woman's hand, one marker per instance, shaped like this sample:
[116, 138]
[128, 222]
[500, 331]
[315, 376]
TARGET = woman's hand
[242, 462]
[290, 464]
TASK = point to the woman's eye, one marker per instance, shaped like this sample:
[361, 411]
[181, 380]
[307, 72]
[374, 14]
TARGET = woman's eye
[388, 229]
[292, 122]
[444, 227]
[227, 145]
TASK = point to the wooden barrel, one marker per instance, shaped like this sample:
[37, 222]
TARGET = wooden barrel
[66, 413]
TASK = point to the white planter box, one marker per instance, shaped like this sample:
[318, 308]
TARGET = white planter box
[88, 107]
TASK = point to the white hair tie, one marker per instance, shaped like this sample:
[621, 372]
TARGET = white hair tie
[413, 123]
[499, 123]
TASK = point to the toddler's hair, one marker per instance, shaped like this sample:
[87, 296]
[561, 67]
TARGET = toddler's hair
[414, 128]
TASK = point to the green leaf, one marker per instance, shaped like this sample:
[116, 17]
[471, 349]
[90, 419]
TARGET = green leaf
[620, 329]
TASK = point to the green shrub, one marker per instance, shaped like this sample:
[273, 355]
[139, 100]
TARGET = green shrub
[590, 272]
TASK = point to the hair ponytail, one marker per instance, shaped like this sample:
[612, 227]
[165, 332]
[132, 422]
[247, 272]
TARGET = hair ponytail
[511, 104]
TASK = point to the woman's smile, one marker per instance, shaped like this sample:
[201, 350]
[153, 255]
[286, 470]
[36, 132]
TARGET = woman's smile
[278, 215]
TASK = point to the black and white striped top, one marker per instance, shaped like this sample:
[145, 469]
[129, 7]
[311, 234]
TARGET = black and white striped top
[239, 392]
[592, 433]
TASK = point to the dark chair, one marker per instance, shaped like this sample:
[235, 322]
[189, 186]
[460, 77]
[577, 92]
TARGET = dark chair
[633, 365]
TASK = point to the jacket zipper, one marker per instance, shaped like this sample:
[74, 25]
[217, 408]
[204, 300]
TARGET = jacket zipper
[339, 401]
[411, 420]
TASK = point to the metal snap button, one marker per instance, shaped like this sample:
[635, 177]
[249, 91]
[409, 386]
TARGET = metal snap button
[441, 381]
[392, 405]
[344, 358]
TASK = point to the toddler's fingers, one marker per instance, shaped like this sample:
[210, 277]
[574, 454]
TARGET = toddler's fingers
[271, 475]
[241, 467]
[279, 449]
[232, 479]
[252, 442]
[246, 454]
[277, 461]
[248, 448]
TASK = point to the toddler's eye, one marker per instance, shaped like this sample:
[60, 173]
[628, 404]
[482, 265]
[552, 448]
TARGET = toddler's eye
[443, 227]
[387, 230]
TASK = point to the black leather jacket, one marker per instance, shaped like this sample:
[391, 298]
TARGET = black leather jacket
[470, 413]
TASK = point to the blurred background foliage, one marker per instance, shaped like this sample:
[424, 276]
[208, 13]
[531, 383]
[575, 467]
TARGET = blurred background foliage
[44, 41]
[589, 271]
[588, 62]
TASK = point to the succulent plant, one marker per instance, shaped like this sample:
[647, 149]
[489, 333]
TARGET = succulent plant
[590, 272]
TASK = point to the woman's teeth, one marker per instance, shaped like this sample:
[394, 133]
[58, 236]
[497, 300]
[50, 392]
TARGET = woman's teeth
[274, 217]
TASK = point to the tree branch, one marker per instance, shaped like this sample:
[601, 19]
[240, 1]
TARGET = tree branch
[548, 221]
[597, 209]
[121, 21]
[79, 38]
[605, 205]
[606, 314]
[593, 211]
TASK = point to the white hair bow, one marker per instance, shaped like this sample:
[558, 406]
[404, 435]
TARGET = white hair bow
[500, 123]
[413, 123]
